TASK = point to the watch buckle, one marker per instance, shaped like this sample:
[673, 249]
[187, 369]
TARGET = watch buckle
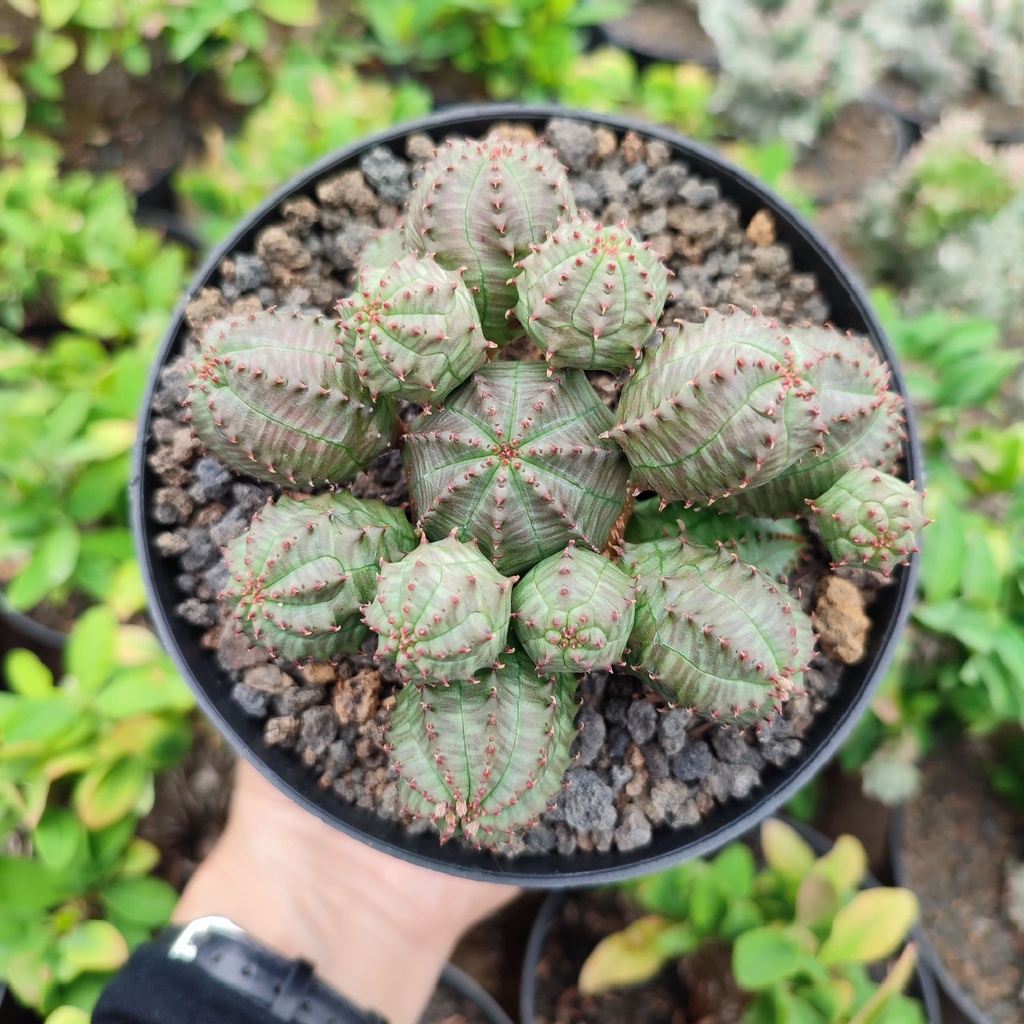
[185, 946]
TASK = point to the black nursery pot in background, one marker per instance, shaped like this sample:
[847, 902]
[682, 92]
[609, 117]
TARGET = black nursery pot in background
[922, 984]
[849, 309]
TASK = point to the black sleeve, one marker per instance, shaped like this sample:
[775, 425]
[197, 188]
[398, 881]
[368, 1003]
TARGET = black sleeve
[152, 989]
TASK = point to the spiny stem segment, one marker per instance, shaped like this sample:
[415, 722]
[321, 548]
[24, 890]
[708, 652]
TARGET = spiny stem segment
[268, 398]
[573, 612]
[712, 633]
[483, 759]
[442, 613]
[516, 460]
[304, 568]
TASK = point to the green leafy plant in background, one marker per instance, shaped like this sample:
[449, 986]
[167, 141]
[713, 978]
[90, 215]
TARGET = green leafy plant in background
[607, 81]
[86, 293]
[518, 48]
[77, 761]
[72, 256]
[313, 107]
[799, 932]
[236, 39]
[960, 665]
[951, 180]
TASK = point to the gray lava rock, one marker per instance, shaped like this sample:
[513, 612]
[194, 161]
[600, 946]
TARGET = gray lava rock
[297, 699]
[634, 830]
[575, 142]
[744, 781]
[663, 185]
[588, 802]
[672, 726]
[641, 720]
[693, 762]
[211, 480]
[589, 742]
[319, 728]
[386, 174]
[197, 613]
[251, 701]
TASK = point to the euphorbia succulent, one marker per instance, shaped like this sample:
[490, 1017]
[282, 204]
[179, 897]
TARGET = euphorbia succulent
[519, 468]
[302, 571]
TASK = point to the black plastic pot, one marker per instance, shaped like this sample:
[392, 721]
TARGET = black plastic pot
[922, 985]
[957, 996]
[470, 989]
[620, 34]
[850, 309]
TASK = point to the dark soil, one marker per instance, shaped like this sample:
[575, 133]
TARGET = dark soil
[863, 144]
[957, 841]
[695, 991]
[641, 765]
[447, 1006]
[669, 31]
[1003, 122]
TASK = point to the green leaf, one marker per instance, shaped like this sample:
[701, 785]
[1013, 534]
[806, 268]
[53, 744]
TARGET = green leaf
[295, 13]
[92, 946]
[628, 957]
[871, 926]
[763, 957]
[90, 652]
[140, 858]
[733, 870]
[874, 1010]
[58, 837]
[146, 901]
[12, 107]
[27, 675]
[784, 851]
[31, 885]
[56, 14]
[50, 566]
[35, 722]
[107, 793]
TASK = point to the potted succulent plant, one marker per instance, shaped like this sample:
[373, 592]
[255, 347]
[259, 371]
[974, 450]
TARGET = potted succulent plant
[424, 526]
[784, 927]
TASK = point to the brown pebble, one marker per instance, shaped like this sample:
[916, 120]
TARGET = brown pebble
[301, 212]
[607, 143]
[208, 305]
[279, 249]
[515, 132]
[282, 731]
[246, 304]
[658, 154]
[419, 146]
[633, 149]
[268, 678]
[348, 189]
[208, 515]
[318, 673]
[356, 700]
[761, 229]
[840, 620]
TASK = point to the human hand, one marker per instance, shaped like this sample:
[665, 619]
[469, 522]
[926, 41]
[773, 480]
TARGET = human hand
[377, 928]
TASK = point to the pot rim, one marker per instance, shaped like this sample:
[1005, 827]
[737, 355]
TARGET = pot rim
[548, 870]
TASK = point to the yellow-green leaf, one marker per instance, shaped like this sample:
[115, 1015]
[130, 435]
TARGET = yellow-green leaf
[56, 14]
[139, 859]
[68, 1015]
[628, 957]
[785, 851]
[765, 956]
[816, 901]
[106, 793]
[12, 107]
[870, 927]
[844, 866]
[27, 675]
[92, 946]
